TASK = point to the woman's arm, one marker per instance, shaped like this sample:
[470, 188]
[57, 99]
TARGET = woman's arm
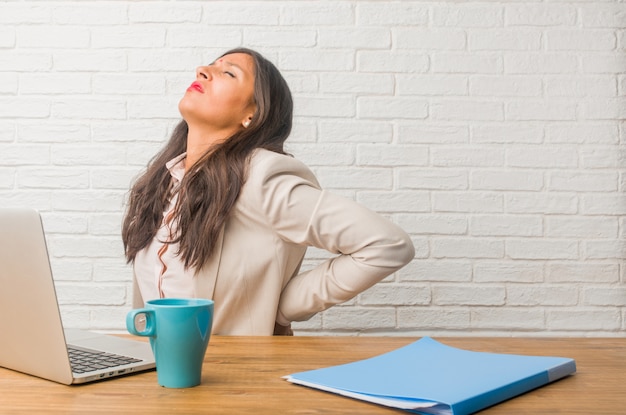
[368, 246]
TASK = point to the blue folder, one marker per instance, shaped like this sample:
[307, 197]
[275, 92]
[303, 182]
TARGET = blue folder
[428, 377]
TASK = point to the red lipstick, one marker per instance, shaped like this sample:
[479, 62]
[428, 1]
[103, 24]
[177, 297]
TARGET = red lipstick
[196, 86]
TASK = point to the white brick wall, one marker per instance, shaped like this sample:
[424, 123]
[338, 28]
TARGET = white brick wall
[490, 131]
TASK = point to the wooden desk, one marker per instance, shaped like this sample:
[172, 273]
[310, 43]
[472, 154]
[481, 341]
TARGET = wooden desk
[243, 375]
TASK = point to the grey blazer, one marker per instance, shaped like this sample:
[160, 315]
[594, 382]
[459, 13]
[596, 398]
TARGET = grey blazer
[254, 273]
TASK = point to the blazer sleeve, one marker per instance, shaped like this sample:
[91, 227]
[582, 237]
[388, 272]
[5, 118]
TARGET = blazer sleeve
[368, 247]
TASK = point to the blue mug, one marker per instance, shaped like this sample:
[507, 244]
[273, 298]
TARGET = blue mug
[179, 331]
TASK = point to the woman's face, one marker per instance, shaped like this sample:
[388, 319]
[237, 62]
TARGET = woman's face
[221, 99]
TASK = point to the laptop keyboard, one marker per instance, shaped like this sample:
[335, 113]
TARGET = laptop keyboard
[85, 360]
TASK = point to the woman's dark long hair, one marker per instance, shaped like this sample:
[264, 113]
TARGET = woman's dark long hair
[212, 185]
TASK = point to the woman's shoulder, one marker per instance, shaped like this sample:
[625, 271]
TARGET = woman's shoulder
[264, 156]
[266, 164]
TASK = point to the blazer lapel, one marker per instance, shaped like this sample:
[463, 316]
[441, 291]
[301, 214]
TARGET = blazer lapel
[206, 277]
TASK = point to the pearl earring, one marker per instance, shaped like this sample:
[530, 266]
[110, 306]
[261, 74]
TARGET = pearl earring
[246, 123]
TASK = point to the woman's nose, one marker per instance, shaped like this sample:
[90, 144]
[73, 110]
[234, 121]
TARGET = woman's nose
[203, 72]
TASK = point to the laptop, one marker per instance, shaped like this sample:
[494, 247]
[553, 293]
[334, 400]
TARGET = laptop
[32, 338]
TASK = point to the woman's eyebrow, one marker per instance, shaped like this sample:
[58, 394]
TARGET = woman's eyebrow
[234, 65]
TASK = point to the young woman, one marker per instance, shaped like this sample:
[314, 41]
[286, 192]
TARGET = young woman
[223, 213]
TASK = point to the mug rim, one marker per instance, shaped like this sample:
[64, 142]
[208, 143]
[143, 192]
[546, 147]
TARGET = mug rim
[179, 302]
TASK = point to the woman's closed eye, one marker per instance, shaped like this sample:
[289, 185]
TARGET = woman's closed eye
[228, 73]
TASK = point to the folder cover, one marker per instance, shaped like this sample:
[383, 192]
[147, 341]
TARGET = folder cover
[428, 377]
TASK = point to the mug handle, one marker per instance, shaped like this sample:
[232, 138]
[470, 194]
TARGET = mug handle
[148, 314]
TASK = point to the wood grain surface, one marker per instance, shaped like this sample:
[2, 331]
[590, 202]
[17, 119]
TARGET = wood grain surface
[243, 375]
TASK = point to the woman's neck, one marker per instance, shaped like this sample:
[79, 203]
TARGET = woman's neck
[199, 142]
